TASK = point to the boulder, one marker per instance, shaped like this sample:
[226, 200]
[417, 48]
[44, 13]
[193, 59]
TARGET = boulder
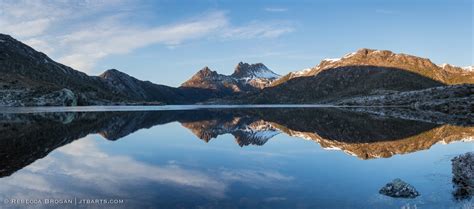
[400, 189]
[63, 97]
[463, 175]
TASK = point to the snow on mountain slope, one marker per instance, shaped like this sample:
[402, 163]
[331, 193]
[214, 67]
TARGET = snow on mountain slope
[291, 75]
[246, 77]
[468, 68]
[250, 71]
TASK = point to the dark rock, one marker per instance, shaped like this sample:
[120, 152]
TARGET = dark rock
[463, 175]
[398, 188]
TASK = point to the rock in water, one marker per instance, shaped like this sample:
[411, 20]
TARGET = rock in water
[463, 175]
[399, 188]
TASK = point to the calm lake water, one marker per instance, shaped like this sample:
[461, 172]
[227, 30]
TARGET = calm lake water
[224, 157]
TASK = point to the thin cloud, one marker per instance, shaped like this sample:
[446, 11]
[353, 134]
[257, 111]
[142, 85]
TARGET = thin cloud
[82, 162]
[258, 30]
[89, 45]
[65, 31]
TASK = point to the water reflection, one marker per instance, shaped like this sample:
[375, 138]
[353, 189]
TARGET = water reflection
[83, 170]
[63, 155]
[28, 137]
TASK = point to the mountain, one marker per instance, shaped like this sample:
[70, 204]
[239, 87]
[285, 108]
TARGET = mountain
[291, 75]
[146, 91]
[246, 78]
[445, 73]
[208, 79]
[30, 78]
[362, 73]
[256, 75]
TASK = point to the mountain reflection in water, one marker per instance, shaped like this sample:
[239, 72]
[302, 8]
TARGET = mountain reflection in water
[28, 137]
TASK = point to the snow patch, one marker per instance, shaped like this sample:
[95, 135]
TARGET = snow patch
[467, 139]
[301, 135]
[331, 148]
[350, 55]
[443, 65]
[265, 73]
[332, 59]
[301, 72]
[468, 68]
[377, 51]
[265, 135]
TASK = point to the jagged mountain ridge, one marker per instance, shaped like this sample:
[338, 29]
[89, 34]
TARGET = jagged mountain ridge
[208, 79]
[246, 130]
[447, 74]
[246, 77]
[256, 75]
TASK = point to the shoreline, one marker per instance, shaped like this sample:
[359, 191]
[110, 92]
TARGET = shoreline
[112, 108]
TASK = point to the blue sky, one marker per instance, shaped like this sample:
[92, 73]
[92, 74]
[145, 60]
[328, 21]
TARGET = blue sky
[166, 42]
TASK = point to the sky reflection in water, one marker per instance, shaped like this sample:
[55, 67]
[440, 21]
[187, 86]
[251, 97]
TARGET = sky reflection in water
[168, 166]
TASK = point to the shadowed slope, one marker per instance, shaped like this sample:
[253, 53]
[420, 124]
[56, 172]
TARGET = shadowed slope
[343, 82]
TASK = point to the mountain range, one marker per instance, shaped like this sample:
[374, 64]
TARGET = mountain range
[31, 78]
[246, 78]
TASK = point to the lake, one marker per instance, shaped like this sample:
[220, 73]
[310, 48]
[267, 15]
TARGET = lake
[269, 156]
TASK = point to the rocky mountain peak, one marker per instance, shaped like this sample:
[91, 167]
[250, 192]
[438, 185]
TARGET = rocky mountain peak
[113, 73]
[5, 37]
[376, 57]
[246, 77]
[365, 56]
[206, 72]
[208, 79]
[11, 47]
[249, 71]
[124, 84]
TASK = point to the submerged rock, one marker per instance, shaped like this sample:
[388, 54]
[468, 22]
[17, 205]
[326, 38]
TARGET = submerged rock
[463, 175]
[399, 188]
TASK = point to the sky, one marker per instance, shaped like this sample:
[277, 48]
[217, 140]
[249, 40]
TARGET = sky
[166, 41]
